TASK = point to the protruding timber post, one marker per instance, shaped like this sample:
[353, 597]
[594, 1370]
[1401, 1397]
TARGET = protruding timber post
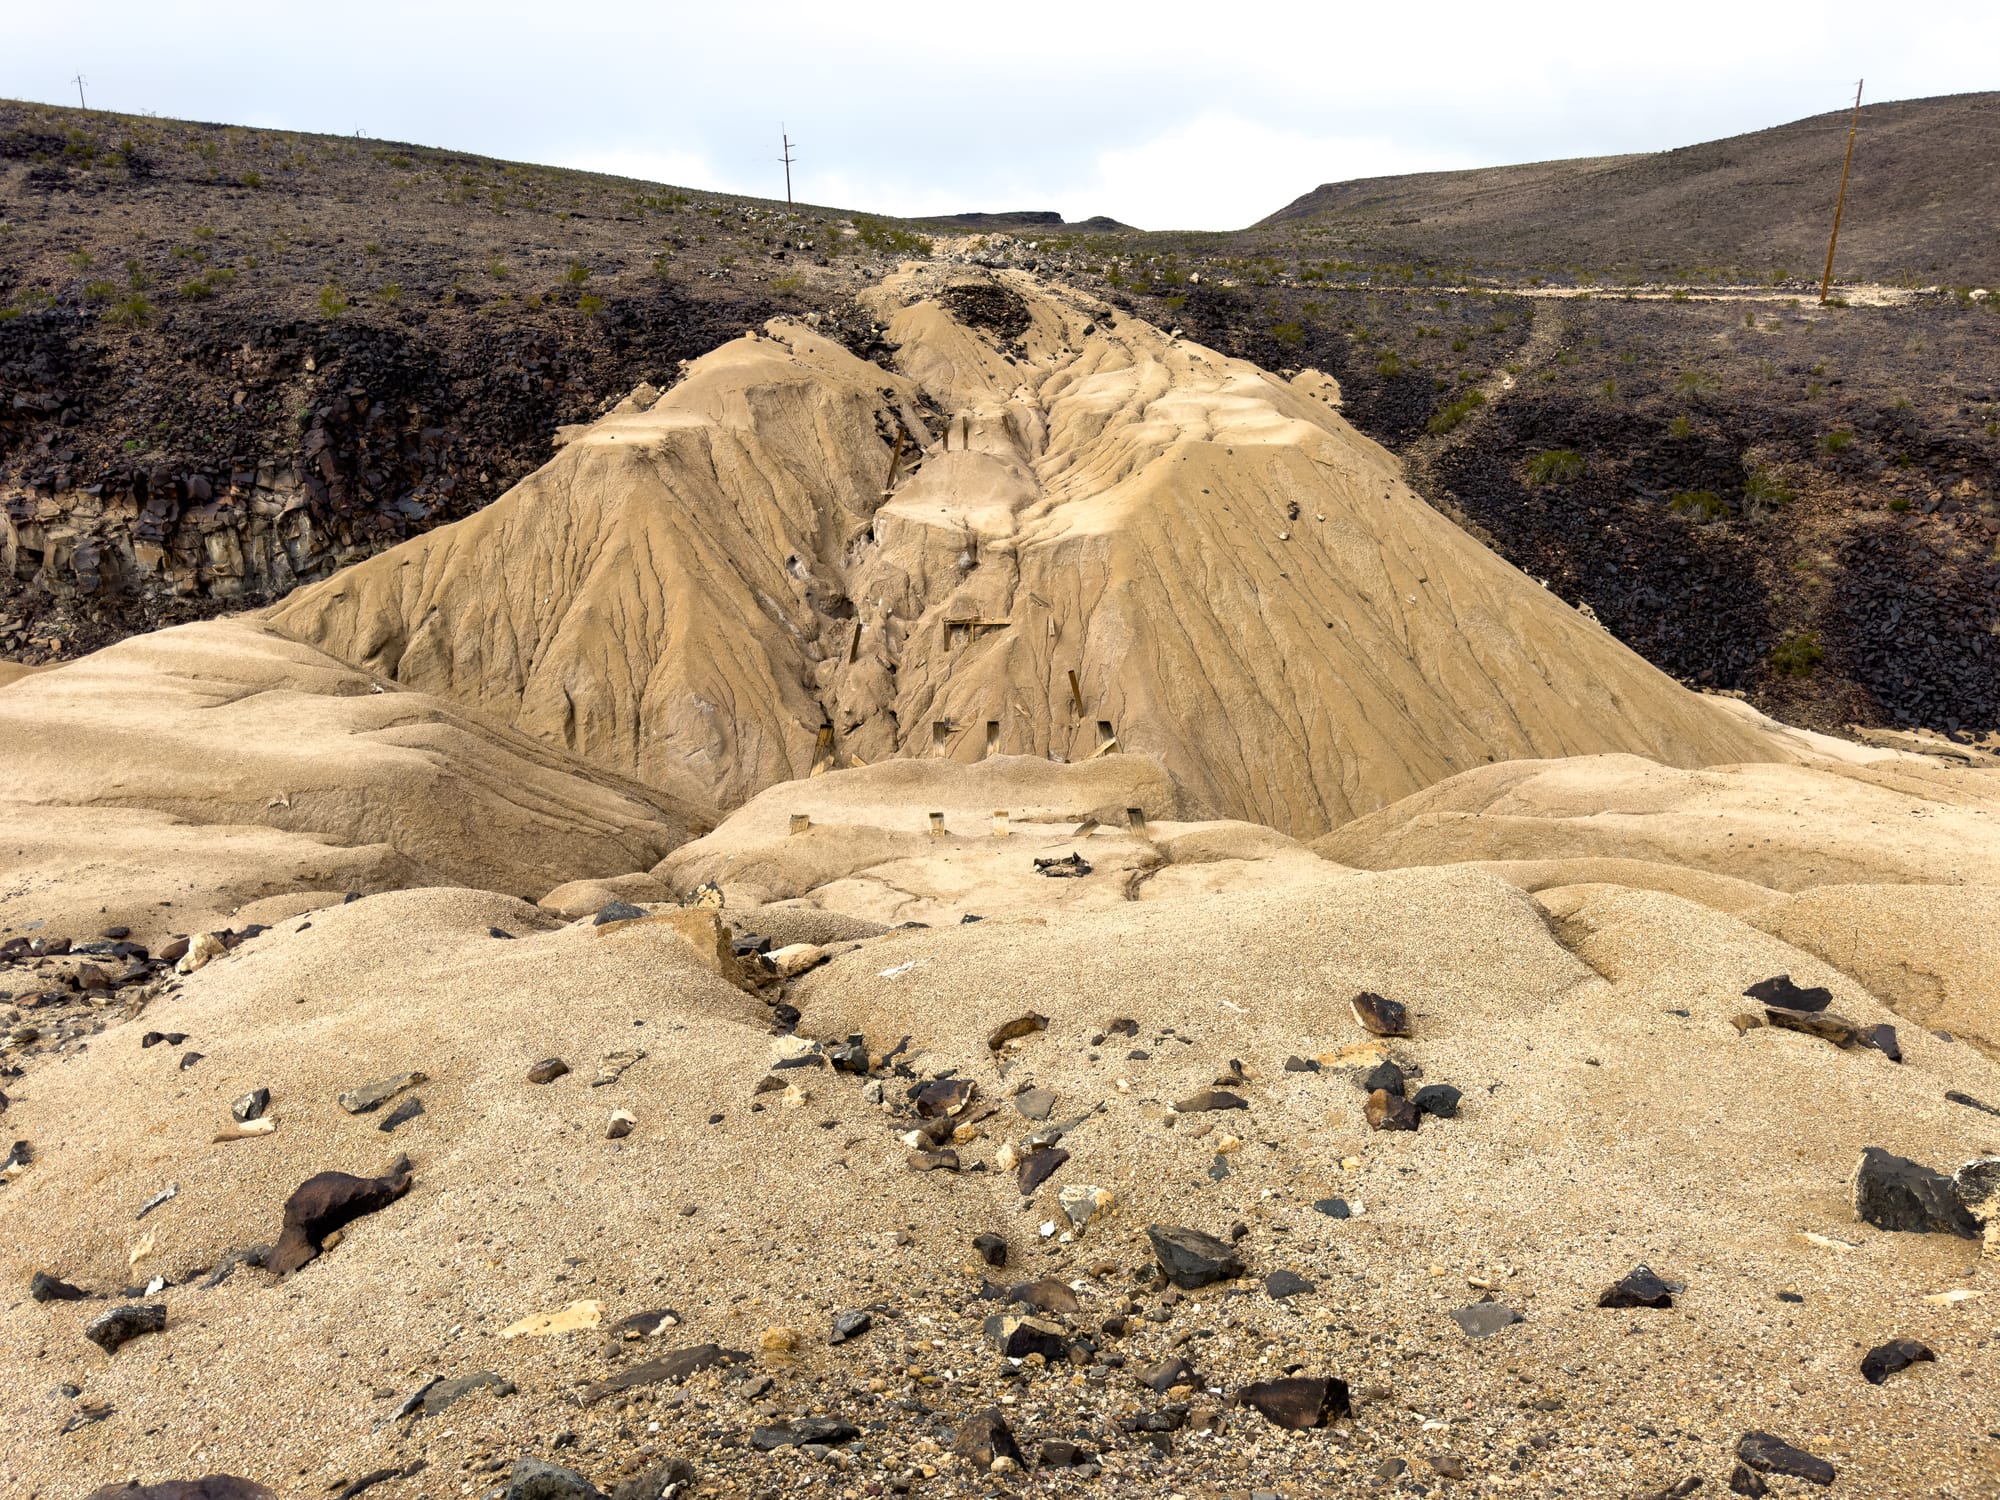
[1840, 202]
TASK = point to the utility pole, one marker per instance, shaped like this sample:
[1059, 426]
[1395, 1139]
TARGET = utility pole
[787, 160]
[78, 81]
[1841, 202]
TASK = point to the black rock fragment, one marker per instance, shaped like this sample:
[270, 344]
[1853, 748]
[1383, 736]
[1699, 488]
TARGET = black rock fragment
[402, 1114]
[537, 1479]
[1781, 992]
[328, 1201]
[1039, 1167]
[1298, 1401]
[1384, 1075]
[46, 1288]
[851, 1325]
[1884, 1360]
[1769, 1454]
[985, 1436]
[1192, 1259]
[617, 911]
[1439, 1100]
[108, 1330]
[992, 1249]
[1891, 1192]
[1638, 1288]
[1288, 1284]
[1382, 1016]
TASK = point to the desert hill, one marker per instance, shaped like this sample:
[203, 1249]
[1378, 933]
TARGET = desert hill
[1751, 203]
[1091, 533]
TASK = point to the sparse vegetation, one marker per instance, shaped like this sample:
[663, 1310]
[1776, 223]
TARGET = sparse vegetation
[1798, 654]
[1764, 492]
[1703, 505]
[1457, 411]
[1555, 466]
[332, 301]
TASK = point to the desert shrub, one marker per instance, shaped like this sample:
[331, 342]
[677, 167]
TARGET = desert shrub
[1837, 441]
[891, 239]
[1682, 427]
[100, 291]
[1457, 411]
[1797, 654]
[1555, 466]
[389, 293]
[1693, 382]
[1764, 491]
[131, 310]
[1703, 505]
[1291, 335]
[577, 274]
[590, 304]
[332, 301]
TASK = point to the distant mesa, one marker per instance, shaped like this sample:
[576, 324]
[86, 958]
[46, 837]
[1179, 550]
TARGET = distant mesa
[1030, 218]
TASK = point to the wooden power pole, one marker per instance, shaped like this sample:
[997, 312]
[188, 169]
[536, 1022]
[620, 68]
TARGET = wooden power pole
[1840, 202]
[787, 160]
[78, 81]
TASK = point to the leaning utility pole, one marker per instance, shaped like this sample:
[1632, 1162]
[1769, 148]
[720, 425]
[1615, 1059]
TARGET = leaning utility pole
[1841, 202]
[78, 81]
[787, 160]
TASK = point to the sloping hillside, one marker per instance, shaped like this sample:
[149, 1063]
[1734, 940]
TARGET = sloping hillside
[1920, 202]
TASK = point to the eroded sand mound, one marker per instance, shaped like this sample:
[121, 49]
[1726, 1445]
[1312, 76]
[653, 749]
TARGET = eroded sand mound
[747, 1211]
[1785, 827]
[869, 850]
[919, 560]
[123, 770]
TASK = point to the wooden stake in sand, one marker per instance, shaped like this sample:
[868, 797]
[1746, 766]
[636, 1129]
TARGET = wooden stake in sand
[937, 825]
[823, 751]
[999, 822]
[1840, 202]
[1135, 819]
[801, 822]
[1076, 693]
[895, 463]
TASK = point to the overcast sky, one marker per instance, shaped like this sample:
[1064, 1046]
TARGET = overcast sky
[1165, 115]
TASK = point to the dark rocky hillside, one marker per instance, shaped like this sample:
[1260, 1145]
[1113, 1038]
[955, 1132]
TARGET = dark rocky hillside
[1919, 206]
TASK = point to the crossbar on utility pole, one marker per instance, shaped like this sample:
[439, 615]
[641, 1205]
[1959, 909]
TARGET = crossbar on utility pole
[79, 81]
[1840, 202]
[787, 159]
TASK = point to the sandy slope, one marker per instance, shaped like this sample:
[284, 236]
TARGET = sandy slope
[1239, 581]
[164, 739]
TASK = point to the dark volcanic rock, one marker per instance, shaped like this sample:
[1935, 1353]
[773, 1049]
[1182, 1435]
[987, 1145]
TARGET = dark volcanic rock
[1884, 1360]
[1018, 1337]
[984, 1437]
[1297, 1401]
[1382, 1016]
[1164, 1376]
[537, 1479]
[251, 1106]
[802, 1430]
[548, 1070]
[1039, 1167]
[1287, 1284]
[1892, 1192]
[46, 1288]
[328, 1201]
[1823, 1024]
[1055, 1453]
[447, 1393]
[1781, 992]
[992, 1249]
[617, 911]
[1769, 1454]
[1639, 1288]
[208, 1487]
[1192, 1259]
[108, 1330]
[1384, 1075]
[1439, 1100]
[851, 1325]
[1387, 1111]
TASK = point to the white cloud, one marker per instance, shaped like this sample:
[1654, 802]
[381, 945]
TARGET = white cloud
[1221, 172]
